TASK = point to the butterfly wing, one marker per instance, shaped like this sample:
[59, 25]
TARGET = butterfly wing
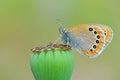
[108, 32]
[88, 39]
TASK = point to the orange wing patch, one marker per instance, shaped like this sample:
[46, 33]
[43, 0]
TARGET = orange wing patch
[99, 44]
[107, 32]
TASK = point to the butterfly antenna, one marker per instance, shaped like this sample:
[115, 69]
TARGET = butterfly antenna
[59, 22]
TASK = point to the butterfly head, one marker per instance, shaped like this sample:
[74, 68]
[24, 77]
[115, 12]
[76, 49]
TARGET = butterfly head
[64, 35]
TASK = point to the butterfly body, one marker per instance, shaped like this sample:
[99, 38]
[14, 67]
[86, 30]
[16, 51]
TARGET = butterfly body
[88, 39]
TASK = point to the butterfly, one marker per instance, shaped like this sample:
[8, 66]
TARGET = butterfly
[87, 39]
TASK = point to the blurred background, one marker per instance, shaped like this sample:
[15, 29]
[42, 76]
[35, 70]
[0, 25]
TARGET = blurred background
[25, 24]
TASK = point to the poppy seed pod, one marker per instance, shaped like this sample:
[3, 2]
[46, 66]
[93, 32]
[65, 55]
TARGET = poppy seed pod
[52, 62]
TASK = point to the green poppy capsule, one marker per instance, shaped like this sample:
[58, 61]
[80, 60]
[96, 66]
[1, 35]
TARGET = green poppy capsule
[53, 62]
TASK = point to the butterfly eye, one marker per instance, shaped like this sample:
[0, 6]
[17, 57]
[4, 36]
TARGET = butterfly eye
[90, 29]
[98, 36]
[97, 41]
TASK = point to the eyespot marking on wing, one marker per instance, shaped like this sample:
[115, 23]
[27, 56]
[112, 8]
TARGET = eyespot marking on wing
[99, 42]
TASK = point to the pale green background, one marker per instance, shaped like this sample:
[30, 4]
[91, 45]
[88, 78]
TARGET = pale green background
[28, 23]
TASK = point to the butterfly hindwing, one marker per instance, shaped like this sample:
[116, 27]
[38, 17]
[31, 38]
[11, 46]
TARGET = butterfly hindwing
[108, 32]
[88, 39]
